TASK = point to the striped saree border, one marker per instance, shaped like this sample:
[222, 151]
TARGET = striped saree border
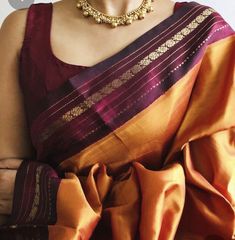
[34, 202]
[126, 76]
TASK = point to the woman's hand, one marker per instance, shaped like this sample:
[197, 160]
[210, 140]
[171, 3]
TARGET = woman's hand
[8, 169]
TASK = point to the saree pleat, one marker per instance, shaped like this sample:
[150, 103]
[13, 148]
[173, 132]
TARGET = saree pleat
[140, 146]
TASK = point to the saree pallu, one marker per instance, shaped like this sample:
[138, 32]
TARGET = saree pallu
[139, 146]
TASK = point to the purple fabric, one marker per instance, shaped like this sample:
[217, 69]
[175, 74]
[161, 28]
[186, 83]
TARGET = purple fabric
[34, 202]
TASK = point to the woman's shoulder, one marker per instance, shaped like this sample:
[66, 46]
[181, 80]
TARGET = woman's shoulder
[13, 28]
[206, 9]
[209, 14]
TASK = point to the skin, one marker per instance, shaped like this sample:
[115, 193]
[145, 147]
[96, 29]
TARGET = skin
[72, 41]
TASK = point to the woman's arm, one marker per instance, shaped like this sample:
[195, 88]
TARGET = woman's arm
[32, 178]
[14, 138]
[8, 170]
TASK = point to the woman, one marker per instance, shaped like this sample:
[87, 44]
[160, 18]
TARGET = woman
[117, 130]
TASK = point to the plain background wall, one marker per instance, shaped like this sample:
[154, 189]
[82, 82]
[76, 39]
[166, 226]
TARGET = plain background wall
[226, 8]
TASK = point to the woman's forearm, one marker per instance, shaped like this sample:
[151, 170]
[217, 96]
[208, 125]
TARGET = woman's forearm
[8, 170]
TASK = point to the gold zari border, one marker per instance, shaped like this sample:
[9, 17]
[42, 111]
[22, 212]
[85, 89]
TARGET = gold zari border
[36, 199]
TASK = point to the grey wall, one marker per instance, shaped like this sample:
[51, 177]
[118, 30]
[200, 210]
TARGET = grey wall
[226, 8]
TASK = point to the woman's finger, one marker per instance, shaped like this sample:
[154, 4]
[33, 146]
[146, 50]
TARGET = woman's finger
[10, 163]
[7, 185]
[7, 180]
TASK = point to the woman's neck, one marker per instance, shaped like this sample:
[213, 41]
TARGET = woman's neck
[115, 7]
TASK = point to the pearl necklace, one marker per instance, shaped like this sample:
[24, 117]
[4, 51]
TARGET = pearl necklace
[115, 21]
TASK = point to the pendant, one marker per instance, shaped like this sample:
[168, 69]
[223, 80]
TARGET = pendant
[115, 21]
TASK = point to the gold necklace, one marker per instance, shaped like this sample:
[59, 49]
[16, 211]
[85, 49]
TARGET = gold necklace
[115, 21]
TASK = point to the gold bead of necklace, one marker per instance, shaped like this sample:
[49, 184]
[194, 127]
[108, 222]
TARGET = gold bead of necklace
[114, 21]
